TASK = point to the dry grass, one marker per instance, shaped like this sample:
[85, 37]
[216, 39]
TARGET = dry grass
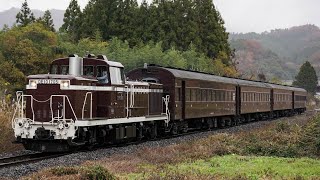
[6, 131]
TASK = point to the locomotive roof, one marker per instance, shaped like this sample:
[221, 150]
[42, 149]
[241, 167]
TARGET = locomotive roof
[110, 63]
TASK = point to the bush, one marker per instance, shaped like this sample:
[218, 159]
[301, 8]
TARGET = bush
[62, 171]
[96, 173]
[310, 141]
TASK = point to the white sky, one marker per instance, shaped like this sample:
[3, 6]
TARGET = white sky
[239, 15]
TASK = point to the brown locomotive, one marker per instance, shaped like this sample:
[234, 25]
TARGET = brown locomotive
[88, 101]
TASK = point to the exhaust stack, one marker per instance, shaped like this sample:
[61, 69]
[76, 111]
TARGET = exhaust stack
[75, 65]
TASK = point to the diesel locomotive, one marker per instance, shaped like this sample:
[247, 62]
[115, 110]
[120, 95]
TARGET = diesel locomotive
[84, 102]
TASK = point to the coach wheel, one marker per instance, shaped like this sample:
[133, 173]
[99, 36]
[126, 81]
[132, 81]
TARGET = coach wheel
[222, 123]
[174, 129]
[210, 123]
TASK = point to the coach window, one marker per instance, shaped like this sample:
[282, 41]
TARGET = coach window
[198, 94]
[228, 96]
[213, 95]
[204, 95]
[209, 95]
[64, 70]
[188, 93]
[178, 94]
[193, 95]
[223, 96]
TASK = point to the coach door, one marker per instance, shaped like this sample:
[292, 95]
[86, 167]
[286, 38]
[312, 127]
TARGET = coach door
[292, 100]
[271, 101]
[183, 100]
[238, 100]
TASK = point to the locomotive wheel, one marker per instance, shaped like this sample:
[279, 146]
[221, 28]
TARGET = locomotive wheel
[154, 131]
[185, 127]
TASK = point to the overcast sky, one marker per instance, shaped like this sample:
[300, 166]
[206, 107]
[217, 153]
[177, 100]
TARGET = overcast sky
[239, 15]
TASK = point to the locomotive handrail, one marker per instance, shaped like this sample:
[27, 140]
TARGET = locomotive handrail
[21, 108]
[131, 96]
[166, 101]
[84, 104]
[127, 91]
[64, 109]
[19, 95]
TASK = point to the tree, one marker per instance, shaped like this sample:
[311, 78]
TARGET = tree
[213, 35]
[47, 21]
[25, 50]
[72, 20]
[307, 78]
[25, 16]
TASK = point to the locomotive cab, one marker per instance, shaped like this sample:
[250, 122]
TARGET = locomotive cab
[99, 68]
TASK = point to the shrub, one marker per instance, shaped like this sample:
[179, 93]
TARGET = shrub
[62, 171]
[96, 173]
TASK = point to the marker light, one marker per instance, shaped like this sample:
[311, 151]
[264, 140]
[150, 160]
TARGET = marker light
[33, 84]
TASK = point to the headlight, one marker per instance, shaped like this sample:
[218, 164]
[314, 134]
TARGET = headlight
[33, 84]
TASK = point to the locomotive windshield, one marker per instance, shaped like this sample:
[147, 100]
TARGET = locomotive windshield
[64, 70]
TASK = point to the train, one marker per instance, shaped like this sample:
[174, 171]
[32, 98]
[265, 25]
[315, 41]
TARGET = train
[88, 101]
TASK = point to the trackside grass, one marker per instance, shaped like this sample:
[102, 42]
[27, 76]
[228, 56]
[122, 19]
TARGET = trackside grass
[235, 167]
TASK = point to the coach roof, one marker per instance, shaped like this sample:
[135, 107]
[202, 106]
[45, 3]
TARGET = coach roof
[185, 74]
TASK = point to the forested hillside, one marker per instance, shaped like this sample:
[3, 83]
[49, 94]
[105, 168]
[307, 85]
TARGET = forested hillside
[278, 53]
[8, 17]
[169, 33]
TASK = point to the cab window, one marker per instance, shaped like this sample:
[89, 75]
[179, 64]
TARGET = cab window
[64, 70]
[100, 70]
[88, 71]
[102, 75]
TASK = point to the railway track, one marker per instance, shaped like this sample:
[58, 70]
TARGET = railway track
[27, 158]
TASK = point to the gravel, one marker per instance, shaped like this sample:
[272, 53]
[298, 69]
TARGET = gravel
[80, 157]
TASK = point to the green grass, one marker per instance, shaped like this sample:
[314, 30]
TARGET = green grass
[238, 167]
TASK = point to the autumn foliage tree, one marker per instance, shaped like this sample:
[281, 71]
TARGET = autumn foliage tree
[24, 51]
[307, 78]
